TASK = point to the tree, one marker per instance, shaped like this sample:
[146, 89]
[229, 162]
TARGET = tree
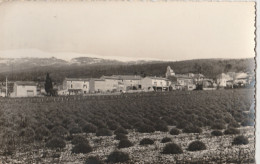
[48, 85]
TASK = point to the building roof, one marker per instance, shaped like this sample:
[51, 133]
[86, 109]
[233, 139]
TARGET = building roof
[157, 78]
[28, 83]
[77, 79]
[123, 77]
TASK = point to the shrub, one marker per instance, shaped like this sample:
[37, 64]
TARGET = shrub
[145, 129]
[161, 127]
[175, 131]
[124, 143]
[78, 140]
[240, 140]
[27, 135]
[89, 128]
[81, 148]
[41, 133]
[120, 136]
[231, 131]
[121, 130]
[192, 129]
[172, 148]
[55, 143]
[218, 126]
[196, 146]
[112, 125]
[233, 124]
[59, 131]
[93, 160]
[103, 132]
[117, 156]
[216, 133]
[182, 124]
[248, 122]
[166, 139]
[146, 141]
[75, 130]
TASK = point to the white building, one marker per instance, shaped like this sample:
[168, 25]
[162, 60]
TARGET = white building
[155, 83]
[24, 89]
[76, 86]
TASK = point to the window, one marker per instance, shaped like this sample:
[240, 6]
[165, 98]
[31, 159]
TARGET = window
[71, 86]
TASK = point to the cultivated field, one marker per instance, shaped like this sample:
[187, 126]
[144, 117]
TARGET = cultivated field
[169, 127]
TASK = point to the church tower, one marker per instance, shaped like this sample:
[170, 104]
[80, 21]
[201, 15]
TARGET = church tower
[169, 72]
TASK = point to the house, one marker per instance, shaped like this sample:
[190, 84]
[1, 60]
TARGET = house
[232, 79]
[24, 89]
[118, 83]
[185, 81]
[77, 86]
[224, 79]
[155, 84]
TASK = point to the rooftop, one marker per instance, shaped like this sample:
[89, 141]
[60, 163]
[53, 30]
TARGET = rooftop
[123, 77]
[28, 83]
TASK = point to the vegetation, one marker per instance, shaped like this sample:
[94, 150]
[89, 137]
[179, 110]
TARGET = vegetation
[172, 148]
[81, 148]
[216, 133]
[93, 160]
[196, 146]
[166, 139]
[208, 67]
[124, 143]
[117, 156]
[56, 143]
[240, 140]
[174, 131]
[231, 131]
[146, 141]
[47, 123]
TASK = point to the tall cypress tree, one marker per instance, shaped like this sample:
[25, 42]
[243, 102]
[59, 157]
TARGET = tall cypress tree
[48, 85]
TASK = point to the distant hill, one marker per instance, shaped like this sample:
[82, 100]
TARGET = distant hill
[36, 68]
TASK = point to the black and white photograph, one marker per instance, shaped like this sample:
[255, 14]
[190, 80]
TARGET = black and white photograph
[127, 82]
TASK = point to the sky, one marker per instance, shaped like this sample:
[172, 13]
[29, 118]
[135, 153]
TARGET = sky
[127, 30]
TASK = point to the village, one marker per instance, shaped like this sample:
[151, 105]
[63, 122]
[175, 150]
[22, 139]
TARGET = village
[129, 84]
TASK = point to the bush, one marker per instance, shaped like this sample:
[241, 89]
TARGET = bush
[182, 124]
[59, 131]
[120, 136]
[78, 140]
[216, 133]
[196, 146]
[112, 125]
[27, 135]
[218, 126]
[192, 129]
[89, 128]
[233, 124]
[248, 122]
[146, 141]
[41, 133]
[117, 156]
[75, 130]
[81, 148]
[161, 127]
[166, 139]
[240, 140]
[103, 132]
[175, 131]
[124, 143]
[120, 130]
[230, 131]
[145, 129]
[172, 148]
[56, 143]
[93, 160]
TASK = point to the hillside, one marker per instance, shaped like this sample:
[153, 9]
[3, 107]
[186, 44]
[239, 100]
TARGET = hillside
[95, 67]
